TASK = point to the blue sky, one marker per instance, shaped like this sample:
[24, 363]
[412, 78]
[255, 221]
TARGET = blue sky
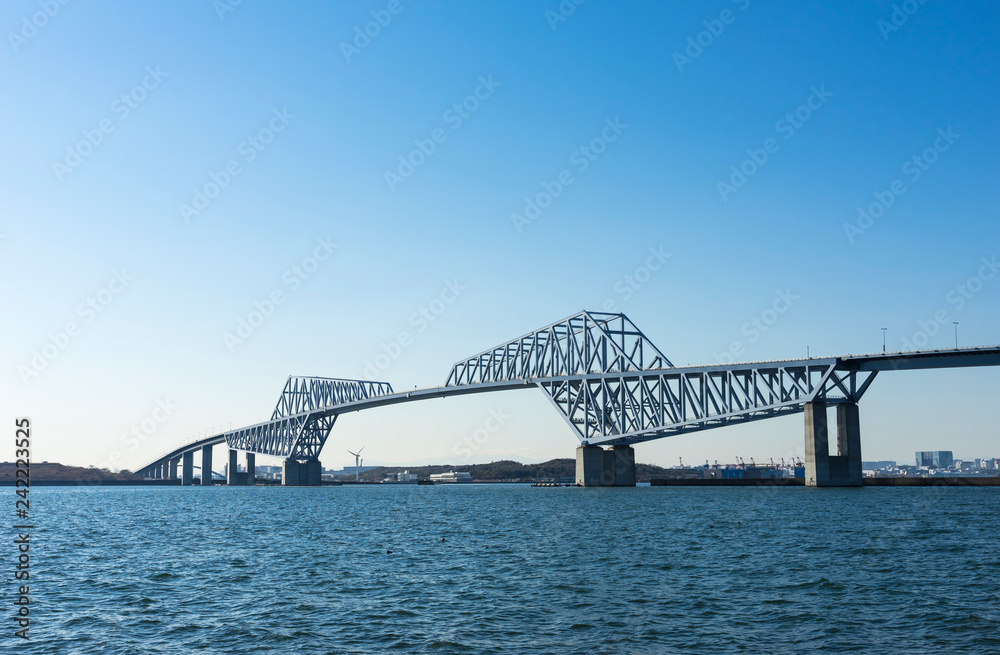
[296, 126]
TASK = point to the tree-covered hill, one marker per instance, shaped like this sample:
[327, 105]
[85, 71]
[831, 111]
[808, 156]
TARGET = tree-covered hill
[503, 470]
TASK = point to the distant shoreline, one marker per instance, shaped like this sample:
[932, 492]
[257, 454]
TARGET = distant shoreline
[780, 482]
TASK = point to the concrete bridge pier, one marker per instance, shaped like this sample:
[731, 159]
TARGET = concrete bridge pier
[301, 474]
[251, 470]
[233, 476]
[173, 468]
[848, 446]
[597, 467]
[624, 466]
[164, 471]
[290, 473]
[822, 468]
[206, 466]
[313, 473]
[187, 468]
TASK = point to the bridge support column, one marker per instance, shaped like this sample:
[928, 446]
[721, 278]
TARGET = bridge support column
[187, 468]
[822, 468]
[590, 466]
[251, 470]
[845, 468]
[311, 473]
[290, 473]
[624, 466]
[173, 468]
[817, 446]
[597, 467]
[206, 466]
[232, 470]
[164, 470]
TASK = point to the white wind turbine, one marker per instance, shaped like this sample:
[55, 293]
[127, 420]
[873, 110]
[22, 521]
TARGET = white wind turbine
[357, 464]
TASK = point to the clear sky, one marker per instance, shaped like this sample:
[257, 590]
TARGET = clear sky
[821, 169]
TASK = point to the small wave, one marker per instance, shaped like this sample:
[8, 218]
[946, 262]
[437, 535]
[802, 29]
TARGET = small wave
[822, 583]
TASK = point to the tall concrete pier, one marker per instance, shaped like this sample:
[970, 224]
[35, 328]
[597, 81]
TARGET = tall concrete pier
[251, 469]
[233, 475]
[822, 468]
[301, 474]
[597, 467]
[187, 468]
[290, 473]
[206, 466]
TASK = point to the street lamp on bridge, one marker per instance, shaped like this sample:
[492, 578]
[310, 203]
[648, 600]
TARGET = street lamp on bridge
[883, 338]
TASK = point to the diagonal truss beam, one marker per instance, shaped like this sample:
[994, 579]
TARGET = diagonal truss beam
[617, 409]
[588, 342]
[304, 394]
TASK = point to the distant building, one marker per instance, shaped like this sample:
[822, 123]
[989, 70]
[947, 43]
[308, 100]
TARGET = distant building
[879, 465]
[350, 470]
[941, 459]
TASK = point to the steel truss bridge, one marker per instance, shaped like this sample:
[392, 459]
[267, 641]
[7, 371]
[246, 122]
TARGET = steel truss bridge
[607, 380]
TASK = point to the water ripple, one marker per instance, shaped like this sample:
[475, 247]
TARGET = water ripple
[511, 569]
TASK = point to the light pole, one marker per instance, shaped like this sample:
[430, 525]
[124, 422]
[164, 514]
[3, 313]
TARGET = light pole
[883, 338]
[956, 334]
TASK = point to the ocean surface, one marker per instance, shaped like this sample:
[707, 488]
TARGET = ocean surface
[512, 569]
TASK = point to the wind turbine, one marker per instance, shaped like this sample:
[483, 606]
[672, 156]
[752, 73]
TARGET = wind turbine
[357, 464]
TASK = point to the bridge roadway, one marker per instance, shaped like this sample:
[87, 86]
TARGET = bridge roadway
[837, 384]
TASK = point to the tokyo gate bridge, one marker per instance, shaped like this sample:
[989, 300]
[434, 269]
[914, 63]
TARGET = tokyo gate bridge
[611, 385]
